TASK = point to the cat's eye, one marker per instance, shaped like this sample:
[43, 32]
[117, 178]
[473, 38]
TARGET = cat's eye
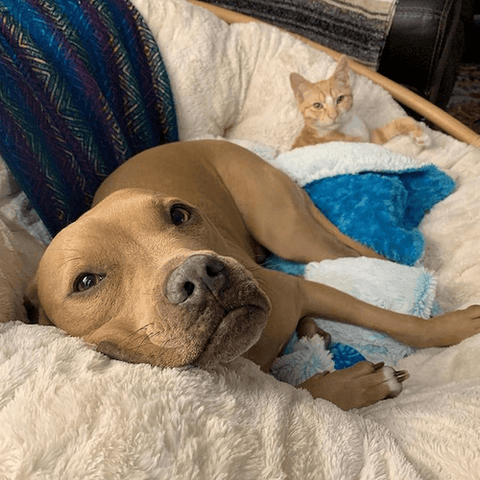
[179, 214]
[86, 281]
[340, 99]
[318, 105]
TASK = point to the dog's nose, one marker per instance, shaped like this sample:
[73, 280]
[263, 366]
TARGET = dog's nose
[196, 278]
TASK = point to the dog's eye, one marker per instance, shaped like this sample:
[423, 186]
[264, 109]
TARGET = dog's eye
[179, 214]
[85, 281]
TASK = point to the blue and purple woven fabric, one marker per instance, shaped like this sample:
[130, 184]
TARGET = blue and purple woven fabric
[83, 87]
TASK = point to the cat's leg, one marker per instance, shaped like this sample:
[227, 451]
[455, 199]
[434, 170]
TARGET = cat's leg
[304, 141]
[309, 137]
[337, 136]
[400, 126]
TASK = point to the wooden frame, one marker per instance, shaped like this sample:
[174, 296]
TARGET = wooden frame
[404, 96]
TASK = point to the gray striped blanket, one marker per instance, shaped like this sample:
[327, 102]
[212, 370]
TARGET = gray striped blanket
[357, 28]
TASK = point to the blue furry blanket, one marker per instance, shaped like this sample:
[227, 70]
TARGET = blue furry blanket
[372, 195]
[383, 210]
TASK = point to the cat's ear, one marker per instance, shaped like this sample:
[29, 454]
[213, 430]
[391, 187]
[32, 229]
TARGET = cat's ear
[341, 72]
[299, 86]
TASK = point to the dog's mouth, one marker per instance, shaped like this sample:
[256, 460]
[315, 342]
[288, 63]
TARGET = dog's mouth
[239, 329]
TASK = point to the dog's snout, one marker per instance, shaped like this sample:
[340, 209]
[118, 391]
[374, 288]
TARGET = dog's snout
[195, 279]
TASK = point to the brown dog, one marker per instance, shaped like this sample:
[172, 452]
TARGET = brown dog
[165, 269]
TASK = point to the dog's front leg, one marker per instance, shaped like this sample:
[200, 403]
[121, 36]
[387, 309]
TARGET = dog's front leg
[363, 384]
[359, 386]
[293, 298]
[448, 329]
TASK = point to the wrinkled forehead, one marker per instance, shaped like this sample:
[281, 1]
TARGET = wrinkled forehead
[127, 204]
[123, 217]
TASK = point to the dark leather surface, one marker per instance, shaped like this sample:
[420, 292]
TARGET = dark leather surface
[424, 47]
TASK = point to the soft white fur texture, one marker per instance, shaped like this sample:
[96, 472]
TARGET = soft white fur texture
[67, 412]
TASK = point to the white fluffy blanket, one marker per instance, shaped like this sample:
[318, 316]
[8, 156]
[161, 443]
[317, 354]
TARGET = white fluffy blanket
[67, 412]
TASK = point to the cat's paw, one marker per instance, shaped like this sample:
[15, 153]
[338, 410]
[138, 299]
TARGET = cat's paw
[422, 139]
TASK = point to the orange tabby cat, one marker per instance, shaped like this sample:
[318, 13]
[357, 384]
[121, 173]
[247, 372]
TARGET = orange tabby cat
[326, 107]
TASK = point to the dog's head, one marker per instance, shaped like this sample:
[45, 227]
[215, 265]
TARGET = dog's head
[148, 279]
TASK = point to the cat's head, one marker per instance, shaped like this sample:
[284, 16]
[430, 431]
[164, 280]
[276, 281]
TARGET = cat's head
[323, 104]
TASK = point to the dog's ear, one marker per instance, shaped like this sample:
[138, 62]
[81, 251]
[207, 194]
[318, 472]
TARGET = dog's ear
[35, 312]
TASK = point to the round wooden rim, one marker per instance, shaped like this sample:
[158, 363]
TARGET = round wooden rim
[411, 100]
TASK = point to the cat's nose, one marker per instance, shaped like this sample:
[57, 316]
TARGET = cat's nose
[332, 114]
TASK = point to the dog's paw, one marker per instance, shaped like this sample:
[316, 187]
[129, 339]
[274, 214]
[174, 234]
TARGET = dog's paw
[358, 386]
[445, 330]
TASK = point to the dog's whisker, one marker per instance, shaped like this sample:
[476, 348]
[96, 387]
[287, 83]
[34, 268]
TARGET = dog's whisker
[148, 338]
[134, 336]
[156, 334]
[130, 338]
[145, 338]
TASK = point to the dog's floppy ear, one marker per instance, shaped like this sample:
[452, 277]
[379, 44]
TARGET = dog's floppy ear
[35, 312]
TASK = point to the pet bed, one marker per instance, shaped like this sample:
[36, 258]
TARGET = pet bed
[67, 411]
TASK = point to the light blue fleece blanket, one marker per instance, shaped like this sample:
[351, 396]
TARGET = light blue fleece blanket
[379, 198]
[404, 289]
